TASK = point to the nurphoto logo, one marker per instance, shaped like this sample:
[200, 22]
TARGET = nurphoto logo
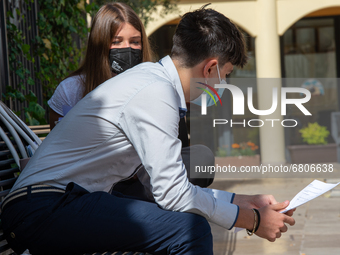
[238, 104]
[208, 92]
[238, 99]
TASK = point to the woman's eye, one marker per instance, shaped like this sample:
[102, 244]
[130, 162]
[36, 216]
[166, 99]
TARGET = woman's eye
[115, 42]
[136, 42]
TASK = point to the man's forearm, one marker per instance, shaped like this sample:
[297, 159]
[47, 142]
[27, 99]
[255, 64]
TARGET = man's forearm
[245, 219]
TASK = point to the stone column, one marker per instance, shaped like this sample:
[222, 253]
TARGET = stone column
[268, 68]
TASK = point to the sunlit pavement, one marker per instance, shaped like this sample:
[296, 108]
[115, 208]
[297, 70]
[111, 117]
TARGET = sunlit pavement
[317, 228]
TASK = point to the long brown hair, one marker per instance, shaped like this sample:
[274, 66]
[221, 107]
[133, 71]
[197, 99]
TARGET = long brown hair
[105, 25]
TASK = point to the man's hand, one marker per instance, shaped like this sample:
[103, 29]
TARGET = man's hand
[253, 201]
[272, 222]
[256, 201]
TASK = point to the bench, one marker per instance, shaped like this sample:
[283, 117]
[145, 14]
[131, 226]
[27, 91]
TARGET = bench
[17, 142]
[41, 130]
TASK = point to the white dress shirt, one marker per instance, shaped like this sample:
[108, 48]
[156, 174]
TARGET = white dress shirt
[128, 120]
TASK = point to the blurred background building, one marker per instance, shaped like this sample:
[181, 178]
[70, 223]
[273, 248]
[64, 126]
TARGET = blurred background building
[285, 39]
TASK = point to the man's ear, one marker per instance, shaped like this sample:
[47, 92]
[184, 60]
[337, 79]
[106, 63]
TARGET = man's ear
[209, 67]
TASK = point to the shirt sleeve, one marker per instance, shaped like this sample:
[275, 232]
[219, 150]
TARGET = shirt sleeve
[150, 121]
[68, 93]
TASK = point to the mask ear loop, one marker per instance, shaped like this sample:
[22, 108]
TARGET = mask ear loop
[205, 79]
[219, 76]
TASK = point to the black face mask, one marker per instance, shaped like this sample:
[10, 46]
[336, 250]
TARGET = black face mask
[124, 58]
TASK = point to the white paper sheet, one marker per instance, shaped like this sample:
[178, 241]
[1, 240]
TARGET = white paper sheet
[313, 190]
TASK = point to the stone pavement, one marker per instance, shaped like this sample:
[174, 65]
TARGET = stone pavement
[317, 227]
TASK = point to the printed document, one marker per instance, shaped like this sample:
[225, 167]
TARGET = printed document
[314, 189]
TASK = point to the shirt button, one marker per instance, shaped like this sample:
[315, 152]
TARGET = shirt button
[12, 235]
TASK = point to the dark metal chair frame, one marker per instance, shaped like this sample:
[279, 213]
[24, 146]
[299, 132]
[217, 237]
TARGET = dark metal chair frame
[15, 137]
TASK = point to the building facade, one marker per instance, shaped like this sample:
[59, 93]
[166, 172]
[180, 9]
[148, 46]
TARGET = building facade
[288, 41]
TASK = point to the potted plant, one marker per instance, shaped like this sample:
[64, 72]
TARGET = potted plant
[241, 154]
[317, 149]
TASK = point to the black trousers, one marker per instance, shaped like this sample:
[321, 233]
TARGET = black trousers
[79, 222]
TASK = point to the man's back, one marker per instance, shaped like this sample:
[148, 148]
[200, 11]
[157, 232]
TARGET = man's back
[92, 137]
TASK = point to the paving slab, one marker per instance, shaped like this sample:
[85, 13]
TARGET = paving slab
[317, 228]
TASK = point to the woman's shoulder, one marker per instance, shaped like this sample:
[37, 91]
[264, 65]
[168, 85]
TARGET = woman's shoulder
[72, 87]
[68, 93]
[73, 82]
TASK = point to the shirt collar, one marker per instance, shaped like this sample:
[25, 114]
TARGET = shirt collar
[173, 74]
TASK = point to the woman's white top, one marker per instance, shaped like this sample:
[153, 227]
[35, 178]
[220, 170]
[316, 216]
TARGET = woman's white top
[67, 94]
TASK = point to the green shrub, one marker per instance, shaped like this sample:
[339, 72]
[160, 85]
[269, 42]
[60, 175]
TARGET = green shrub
[58, 22]
[314, 134]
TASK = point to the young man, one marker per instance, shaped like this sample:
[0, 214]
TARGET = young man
[61, 204]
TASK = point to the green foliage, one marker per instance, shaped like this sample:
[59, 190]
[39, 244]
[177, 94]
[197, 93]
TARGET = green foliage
[146, 8]
[18, 48]
[221, 152]
[59, 23]
[314, 134]
[35, 113]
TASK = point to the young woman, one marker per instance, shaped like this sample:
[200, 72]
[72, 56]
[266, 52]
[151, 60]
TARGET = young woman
[117, 42]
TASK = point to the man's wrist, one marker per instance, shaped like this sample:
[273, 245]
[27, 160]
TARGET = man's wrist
[245, 219]
[242, 200]
[237, 199]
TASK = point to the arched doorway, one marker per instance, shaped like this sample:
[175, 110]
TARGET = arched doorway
[310, 57]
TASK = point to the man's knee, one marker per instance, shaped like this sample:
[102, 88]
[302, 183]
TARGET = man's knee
[194, 237]
[204, 226]
[194, 224]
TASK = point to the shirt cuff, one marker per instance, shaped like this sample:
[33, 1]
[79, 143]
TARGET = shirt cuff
[225, 215]
[221, 194]
[232, 198]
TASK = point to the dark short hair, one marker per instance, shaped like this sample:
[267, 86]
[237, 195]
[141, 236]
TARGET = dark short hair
[206, 33]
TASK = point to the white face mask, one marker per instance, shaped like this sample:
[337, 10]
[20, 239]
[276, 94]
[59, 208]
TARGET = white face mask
[210, 101]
